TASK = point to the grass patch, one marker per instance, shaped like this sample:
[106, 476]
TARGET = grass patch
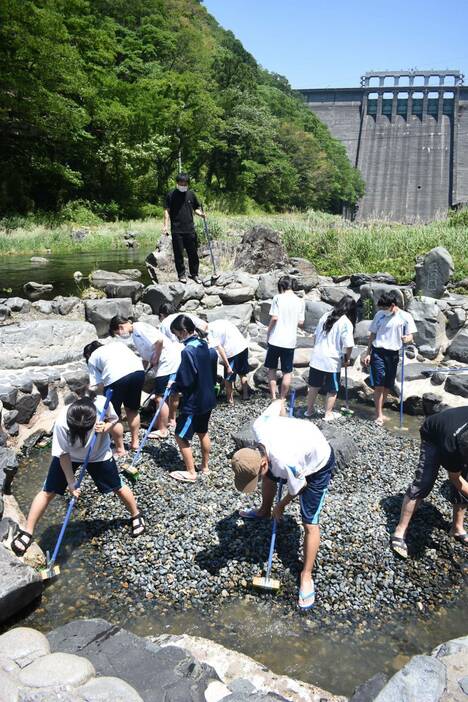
[335, 246]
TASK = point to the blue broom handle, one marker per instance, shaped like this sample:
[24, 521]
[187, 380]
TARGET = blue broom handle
[207, 234]
[167, 392]
[81, 475]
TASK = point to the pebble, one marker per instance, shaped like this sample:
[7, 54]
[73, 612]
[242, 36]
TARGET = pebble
[196, 551]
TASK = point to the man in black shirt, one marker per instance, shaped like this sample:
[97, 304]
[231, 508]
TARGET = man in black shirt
[180, 205]
[444, 442]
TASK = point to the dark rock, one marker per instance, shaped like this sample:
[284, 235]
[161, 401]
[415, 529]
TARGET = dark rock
[430, 324]
[313, 311]
[35, 289]
[26, 406]
[433, 272]
[8, 395]
[8, 469]
[19, 584]
[157, 674]
[5, 313]
[13, 429]
[304, 272]
[77, 379]
[456, 318]
[268, 284]
[373, 292]
[342, 444]
[156, 295]
[44, 342]
[18, 304]
[413, 405]
[261, 250]
[457, 384]
[458, 349]
[33, 439]
[432, 404]
[65, 305]
[9, 418]
[260, 378]
[23, 383]
[438, 378]
[368, 691]
[69, 398]
[42, 384]
[333, 294]
[415, 371]
[127, 288]
[100, 313]
[52, 399]
[358, 279]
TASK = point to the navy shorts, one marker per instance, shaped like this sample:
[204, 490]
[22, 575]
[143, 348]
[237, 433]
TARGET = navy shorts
[278, 353]
[160, 385]
[426, 475]
[239, 364]
[189, 424]
[127, 391]
[312, 497]
[105, 476]
[383, 367]
[329, 381]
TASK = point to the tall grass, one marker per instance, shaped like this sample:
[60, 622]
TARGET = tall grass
[335, 246]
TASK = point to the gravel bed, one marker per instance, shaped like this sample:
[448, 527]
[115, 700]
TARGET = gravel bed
[196, 552]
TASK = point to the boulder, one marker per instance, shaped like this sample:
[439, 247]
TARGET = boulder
[457, 384]
[343, 445]
[100, 313]
[235, 288]
[458, 349]
[76, 379]
[23, 645]
[432, 403]
[160, 263]
[43, 306]
[415, 371]
[171, 293]
[456, 318]
[368, 691]
[8, 469]
[19, 584]
[131, 273]
[34, 290]
[44, 342]
[192, 291]
[358, 279]
[260, 250]
[65, 305]
[57, 669]
[433, 272]
[141, 308]
[424, 679]
[125, 288]
[333, 294]
[18, 304]
[108, 689]
[313, 311]
[430, 324]
[262, 312]
[100, 278]
[5, 313]
[23, 383]
[240, 315]
[304, 272]
[39, 260]
[8, 395]
[52, 399]
[373, 291]
[268, 285]
[26, 405]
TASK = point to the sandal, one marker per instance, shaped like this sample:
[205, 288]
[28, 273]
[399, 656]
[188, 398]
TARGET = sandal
[138, 525]
[399, 546]
[158, 434]
[462, 538]
[250, 514]
[183, 476]
[308, 599]
[21, 542]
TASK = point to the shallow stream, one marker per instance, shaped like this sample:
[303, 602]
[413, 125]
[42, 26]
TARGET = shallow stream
[335, 658]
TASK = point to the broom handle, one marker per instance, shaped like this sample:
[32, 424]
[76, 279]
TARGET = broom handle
[167, 392]
[402, 376]
[280, 492]
[207, 234]
[81, 475]
[346, 384]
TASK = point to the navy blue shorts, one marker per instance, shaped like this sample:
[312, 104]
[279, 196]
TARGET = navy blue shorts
[160, 385]
[383, 367]
[312, 497]
[105, 476]
[329, 381]
[239, 364]
[278, 353]
[189, 424]
[127, 391]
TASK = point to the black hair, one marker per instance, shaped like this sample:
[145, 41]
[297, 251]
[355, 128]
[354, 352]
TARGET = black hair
[81, 418]
[182, 177]
[286, 282]
[116, 322]
[387, 299]
[90, 348]
[166, 309]
[346, 306]
[183, 323]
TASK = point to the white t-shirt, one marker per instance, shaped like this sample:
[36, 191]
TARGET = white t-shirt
[295, 448]
[328, 351]
[389, 328]
[290, 312]
[165, 325]
[112, 362]
[61, 439]
[145, 336]
[223, 333]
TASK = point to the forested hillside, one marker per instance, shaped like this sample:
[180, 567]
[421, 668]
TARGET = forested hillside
[98, 96]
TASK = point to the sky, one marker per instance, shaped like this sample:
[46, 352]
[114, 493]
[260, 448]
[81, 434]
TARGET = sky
[331, 43]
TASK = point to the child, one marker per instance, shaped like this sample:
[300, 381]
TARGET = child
[333, 340]
[233, 349]
[444, 441]
[115, 366]
[296, 452]
[390, 328]
[194, 380]
[73, 432]
[160, 353]
[167, 313]
[287, 313]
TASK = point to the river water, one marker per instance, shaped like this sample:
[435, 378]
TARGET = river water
[334, 658]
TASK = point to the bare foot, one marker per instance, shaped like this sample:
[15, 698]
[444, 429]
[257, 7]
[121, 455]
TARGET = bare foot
[379, 421]
[119, 454]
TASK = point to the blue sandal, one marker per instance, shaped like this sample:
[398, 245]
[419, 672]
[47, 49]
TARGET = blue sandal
[310, 596]
[250, 514]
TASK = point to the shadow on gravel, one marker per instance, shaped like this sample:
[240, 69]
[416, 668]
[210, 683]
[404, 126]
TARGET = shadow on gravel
[78, 532]
[249, 542]
[426, 519]
[165, 455]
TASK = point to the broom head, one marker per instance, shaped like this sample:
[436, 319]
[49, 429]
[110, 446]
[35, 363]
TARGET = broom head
[50, 572]
[131, 471]
[346, 412]
[268, 584]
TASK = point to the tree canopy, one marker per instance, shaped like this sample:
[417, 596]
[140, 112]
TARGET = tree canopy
[99, 97]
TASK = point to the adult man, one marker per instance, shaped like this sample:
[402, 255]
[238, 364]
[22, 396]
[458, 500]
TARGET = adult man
[297, 452]
[444, 441]
[180, 205]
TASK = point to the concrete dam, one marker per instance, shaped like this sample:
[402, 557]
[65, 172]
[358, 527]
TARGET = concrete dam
[407, 133]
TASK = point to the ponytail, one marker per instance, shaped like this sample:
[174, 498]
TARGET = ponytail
[346, 306]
